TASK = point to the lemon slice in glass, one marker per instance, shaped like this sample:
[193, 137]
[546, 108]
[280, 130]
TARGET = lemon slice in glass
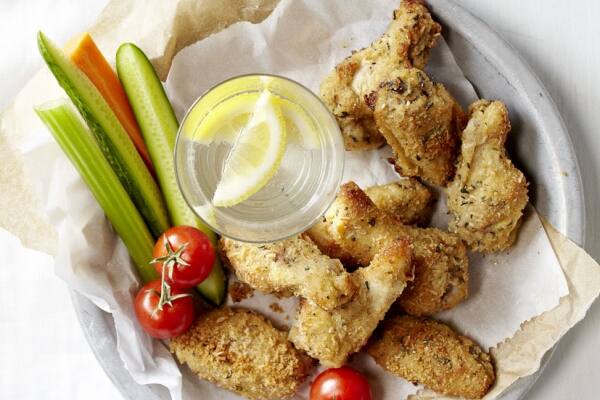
[227, 120]
[256, 154]
[224, 122]
[300, 127]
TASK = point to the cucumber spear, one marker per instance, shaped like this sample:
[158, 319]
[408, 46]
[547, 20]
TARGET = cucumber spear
[159, 126]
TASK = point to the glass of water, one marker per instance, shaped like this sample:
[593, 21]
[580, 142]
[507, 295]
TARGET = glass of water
[301, 190]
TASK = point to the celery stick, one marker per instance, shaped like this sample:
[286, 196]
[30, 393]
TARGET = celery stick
[83, 151]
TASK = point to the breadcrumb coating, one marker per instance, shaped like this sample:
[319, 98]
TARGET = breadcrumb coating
[427, 352]
[290, 267]
[406, 43]
[331, 336]
[420, 120]
[441, 279]
[407, 199]
[241, 351]
[488, 194]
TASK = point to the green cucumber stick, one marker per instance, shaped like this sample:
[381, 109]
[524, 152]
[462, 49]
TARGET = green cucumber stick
[159, 126]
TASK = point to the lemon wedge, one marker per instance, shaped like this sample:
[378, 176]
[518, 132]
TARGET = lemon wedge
[257, 150]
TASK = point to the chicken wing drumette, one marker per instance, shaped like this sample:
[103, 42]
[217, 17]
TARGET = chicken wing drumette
[406, 43]
[421, 121]
[488, 194]
[441, 278]
[289, 267]
[407, 199]
[331, 336]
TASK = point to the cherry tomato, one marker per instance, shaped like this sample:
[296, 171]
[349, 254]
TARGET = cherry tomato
[172, 320]
[342, 383]
[184, 245]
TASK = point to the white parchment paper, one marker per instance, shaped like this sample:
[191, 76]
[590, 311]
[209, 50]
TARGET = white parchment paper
[507, 288]
[303, 40]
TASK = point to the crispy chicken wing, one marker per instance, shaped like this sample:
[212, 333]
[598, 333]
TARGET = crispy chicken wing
[241, 351]
[428, 352]
[331, 336]
[293, 266]
[441, 265]
[320, 235]
[407, 199]
[406, 43]
[352, 114]
[488, 194]
[421, 121]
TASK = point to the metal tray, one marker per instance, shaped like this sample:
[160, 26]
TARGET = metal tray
[540, 145]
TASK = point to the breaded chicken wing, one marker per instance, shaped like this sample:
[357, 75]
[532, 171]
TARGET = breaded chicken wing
[406, 43]
[421, 121]
[441, 265]
[488, 194]
[407, 199]
[331, 336]
[241, 351]
[320, 235]
[428, 352]
[293, 266]
[351, 112]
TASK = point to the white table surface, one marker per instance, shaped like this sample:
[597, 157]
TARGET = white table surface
[43, 354]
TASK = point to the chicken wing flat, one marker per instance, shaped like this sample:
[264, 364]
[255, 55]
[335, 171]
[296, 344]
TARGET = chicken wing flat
[319, 234]
[407, 199]
[441, 265]
[428, 352]
[488, 194]
[331, 336]
[292, 267]
[407, 41]
[421, 121]
[241, 351]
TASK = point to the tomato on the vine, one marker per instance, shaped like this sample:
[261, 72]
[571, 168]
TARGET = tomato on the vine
[170, 319]
[187, 253]
[343, 383]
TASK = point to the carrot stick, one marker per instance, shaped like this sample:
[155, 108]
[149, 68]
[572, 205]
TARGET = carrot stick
[86, 55]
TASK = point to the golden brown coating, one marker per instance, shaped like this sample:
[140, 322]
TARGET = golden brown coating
[407, 199]
[441, 265]
[352, 114]
[291, 267]
[241, 351]
[409, 37]
[428, 352]
[421, 121]
[407, 42]
[488, 194]
[319, 234]
[331, 336]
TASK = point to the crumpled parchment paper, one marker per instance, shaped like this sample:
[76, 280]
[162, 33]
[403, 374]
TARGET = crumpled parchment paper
[68, 223]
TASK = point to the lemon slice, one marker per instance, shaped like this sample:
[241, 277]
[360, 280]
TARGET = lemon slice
[301, 129]
[225, 121]
[256, 153]
[228, 118]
